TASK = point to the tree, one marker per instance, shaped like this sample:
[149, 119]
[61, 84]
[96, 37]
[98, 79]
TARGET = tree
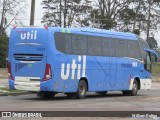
[152, 42]
[133, 17]
[3, 50]
[142, 15]
[63, 12]
[137, 32]
[127, 17]
[139, 8]
[108, 12]
[10, 11]
[153, 16]
[55, 9]
[83, 14]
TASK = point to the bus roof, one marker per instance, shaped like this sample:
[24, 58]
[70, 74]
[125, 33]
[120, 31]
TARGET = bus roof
[90, 31]
[96, 32]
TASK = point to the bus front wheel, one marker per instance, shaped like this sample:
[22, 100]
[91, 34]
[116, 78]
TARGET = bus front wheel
[134, 90]
[82, 89]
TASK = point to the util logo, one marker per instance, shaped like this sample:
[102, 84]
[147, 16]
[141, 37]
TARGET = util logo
[32, 35]
[80, 66]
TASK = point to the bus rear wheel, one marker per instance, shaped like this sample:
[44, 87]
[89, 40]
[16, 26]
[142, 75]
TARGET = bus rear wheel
[82, 89]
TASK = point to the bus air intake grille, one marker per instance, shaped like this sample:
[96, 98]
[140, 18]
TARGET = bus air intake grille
[28, 57]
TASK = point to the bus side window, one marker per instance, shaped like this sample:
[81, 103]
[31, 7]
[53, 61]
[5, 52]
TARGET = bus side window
[68, 46]
[105, 47]
[122, 48]
[79, 44]
[60, 42]
[109, 47]
[134, 49]
[94, 46]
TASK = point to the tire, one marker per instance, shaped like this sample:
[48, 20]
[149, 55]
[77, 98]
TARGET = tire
[134, 90]
[82, 89]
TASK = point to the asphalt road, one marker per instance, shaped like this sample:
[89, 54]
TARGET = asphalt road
[114, 101]
[146, 100]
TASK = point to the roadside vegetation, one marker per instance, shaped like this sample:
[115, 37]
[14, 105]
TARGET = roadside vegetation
[156, 71]
[7, 91]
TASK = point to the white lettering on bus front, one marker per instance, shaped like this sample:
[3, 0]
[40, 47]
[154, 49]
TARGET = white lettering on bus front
[134, 64]
[29, 35]
[66, 73]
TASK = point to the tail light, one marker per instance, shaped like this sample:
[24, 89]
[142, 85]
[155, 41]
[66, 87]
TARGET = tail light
[48, 73]
[14, 27]
[9, 71]
[45, 27]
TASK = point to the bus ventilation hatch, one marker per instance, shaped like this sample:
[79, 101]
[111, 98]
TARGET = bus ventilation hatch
[28, 57]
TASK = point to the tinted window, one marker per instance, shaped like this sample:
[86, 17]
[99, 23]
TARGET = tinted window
[68, 46]
[112, 47]
[79, 44]
[133, 49]
[90, 45]
[109, 47]
[94, 46]
[121, 48]
[106, 46]
[60, 41]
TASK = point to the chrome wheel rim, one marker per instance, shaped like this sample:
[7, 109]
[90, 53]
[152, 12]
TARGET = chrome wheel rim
[82, 89]
[134, 89]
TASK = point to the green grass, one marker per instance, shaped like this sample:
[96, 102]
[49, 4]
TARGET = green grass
[156, 69]
[5, 90]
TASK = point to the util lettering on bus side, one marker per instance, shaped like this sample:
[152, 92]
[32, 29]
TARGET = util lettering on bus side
[32, 35]
[80, 66]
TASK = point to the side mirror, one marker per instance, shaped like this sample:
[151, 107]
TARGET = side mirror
[153, 53]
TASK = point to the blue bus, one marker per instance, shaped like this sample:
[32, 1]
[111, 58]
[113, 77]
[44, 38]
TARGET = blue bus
[74, 61]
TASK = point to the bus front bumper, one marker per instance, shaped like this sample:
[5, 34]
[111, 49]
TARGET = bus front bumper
[145, 84]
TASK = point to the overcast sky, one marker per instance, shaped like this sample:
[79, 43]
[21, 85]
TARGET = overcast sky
[39, 14]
